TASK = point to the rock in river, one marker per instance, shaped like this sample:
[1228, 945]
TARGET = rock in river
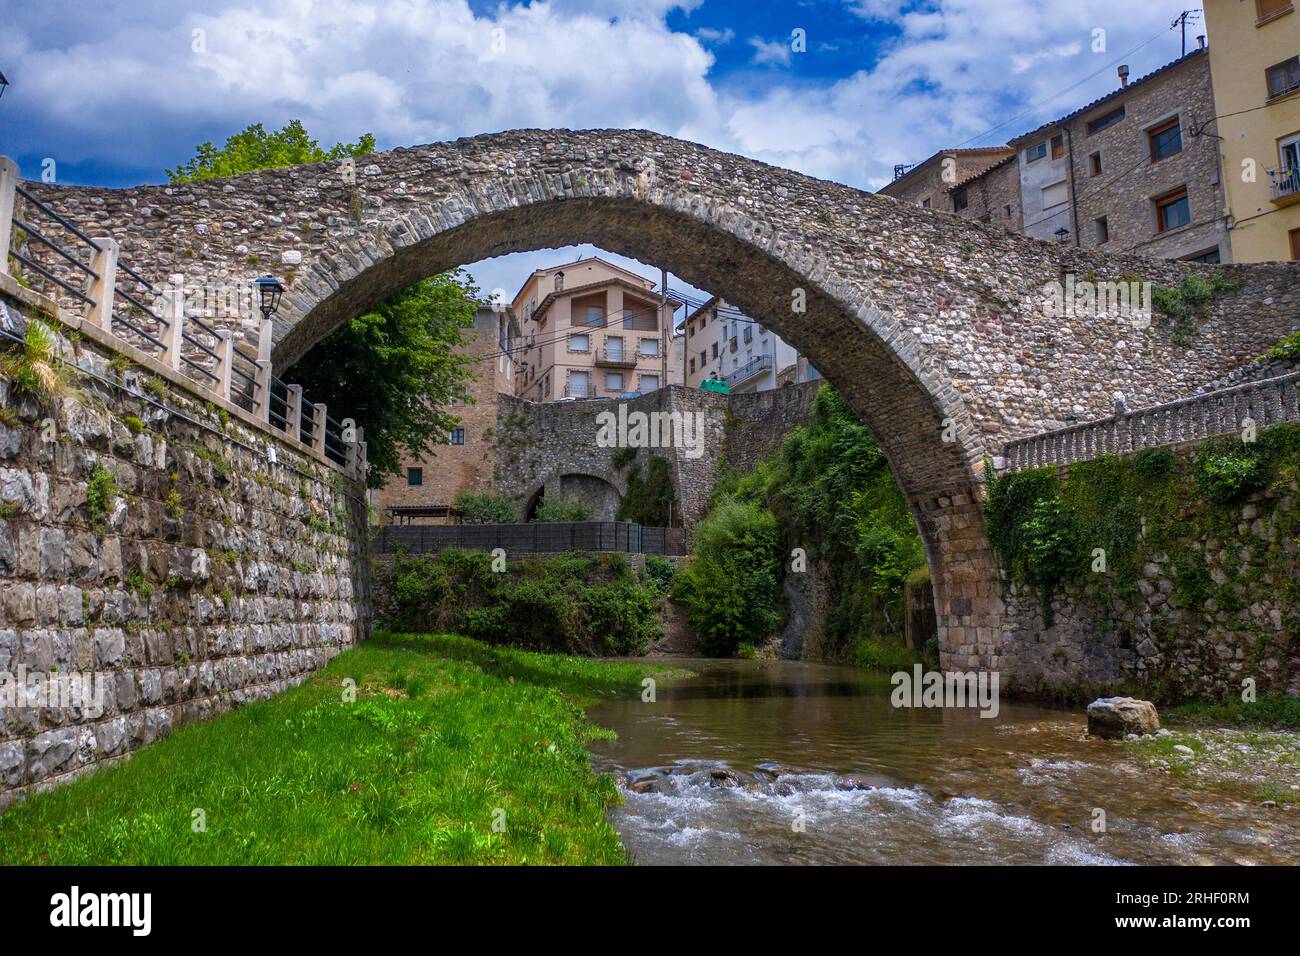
[1114, 717]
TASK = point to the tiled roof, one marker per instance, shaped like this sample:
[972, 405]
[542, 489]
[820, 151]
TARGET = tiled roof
[995, 154]
[1114, 94]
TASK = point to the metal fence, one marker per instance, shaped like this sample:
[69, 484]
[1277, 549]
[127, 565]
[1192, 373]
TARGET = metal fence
[82, 273]
[533, 538]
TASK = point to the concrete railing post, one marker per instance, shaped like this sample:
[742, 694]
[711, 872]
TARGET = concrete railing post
[225, 362]
[173, 336]
[262, 400]
[102, 284]
[293, 412]
[8, 183]
[318, 431]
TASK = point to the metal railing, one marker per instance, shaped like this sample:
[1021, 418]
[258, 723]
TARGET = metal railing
[1284, 184]
[1222, 412]
[618, 358]
[759, 363]
[83, 275]
[532, 538]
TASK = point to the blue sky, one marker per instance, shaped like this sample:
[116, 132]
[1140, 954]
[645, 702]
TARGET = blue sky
[113, 92]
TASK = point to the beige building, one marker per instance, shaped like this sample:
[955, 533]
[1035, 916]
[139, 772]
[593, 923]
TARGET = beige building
[720, 341]
[428, 486]
[592, 330]
[1255, 61]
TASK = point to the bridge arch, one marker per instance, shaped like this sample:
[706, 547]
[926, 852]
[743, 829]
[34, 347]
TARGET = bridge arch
[603, 489]
[928, 324]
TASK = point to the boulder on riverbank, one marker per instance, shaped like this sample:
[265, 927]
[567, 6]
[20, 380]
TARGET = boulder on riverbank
[1116, 717]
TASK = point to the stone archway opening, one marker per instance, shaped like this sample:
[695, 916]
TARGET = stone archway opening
[602, 496]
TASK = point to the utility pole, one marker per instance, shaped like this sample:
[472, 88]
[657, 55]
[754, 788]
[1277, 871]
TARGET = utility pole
[1181, 21]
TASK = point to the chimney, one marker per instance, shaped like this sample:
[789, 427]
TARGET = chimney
[1123, 74]
[1200, 41]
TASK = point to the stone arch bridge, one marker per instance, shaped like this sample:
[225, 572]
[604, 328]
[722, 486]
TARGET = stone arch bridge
[932, 327]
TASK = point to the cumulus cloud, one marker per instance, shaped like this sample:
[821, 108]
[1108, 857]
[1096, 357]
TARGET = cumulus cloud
[774, 52]
[720, 37]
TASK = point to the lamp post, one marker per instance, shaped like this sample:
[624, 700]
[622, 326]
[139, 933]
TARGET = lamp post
[269, 291]
[4, 84]
[1062, 234]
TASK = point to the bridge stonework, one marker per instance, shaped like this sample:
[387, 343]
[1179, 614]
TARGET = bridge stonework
[931, 326]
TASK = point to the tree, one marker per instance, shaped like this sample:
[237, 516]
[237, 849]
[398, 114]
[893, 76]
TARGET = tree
[392, 370]
[255, 148]
[396, 369]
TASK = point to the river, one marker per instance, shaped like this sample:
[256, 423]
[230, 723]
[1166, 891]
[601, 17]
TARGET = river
[761, 762]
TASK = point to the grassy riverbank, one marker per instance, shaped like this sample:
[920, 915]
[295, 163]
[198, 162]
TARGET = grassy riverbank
[446, 736]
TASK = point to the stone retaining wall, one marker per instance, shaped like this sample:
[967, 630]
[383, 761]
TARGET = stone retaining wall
[205, 576]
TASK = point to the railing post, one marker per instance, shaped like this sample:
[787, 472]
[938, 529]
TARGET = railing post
[354, 452]
[173, 336]
[101, 285]
[225, 361]
[293, 412]
[263, 389]
[318, 431]
[8, 183]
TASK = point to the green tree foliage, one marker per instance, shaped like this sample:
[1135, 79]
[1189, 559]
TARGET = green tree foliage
[486, 508]
[649, 496]
[730, 587]
[553, 510]
[396, 369]
[255, 148]
[575, 603]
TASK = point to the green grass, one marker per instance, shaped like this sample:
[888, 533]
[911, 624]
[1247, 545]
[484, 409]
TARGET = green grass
[1271, 711]
[444, 732]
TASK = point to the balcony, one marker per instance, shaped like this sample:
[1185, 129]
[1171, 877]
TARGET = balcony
[615, 358]
[755, 366]
[577, 390]
[1284, 186]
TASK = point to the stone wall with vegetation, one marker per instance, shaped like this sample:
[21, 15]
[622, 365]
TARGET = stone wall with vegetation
[1171, 573]
[148, 536]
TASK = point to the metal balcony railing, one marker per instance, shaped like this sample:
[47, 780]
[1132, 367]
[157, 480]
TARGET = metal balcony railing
[577, 390]
[755, 366]
[616, 358]
[1284, 185]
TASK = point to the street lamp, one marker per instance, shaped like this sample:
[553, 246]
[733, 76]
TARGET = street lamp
[1062, 234]
[269, 291]
[4, 84]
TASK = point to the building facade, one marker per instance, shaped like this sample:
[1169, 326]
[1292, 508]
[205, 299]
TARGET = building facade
[592, 330]
[930, 184]
[464, 462]
[722, 342]
[1135, 171]
[1255, 60]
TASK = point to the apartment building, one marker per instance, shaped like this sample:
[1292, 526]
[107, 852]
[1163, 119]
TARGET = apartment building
[1134, 171]
[1255, 61]
[721, 341]
[592, 330]
[464, 461]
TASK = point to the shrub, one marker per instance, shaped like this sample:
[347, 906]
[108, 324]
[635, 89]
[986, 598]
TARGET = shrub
[730, 586]
[1286, 349]
[100, 491]
[1152, 463]
[1225, 478]
[552, 510]
[660, 572]
[881, 655]
[35, 368]
[486, 508]
[649, 497]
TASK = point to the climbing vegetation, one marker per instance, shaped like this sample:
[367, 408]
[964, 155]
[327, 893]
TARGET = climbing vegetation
[34, 367]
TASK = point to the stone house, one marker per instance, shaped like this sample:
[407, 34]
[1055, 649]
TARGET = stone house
[930, 184]
[465, 461]
[1134, 171]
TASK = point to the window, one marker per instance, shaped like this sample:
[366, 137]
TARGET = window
[748, 334]
[578, 384]
[457, 437]
[1058, 146]
[1094, 164]
[1289, 150]
[614, 348]
[1165, 140]
[1284, 77]
[1210, 256]
[415, 476]
[1103, 230]
[704, 358]
[1173, 211]
[692, 366]
[649, 346]
[1036, 152]
[1295, 244]
[1268, 9]
[1055, 194]
[960, 200]
[1106, 121]
[715, 350]
[925, 203]
[580, 343]
[614, 381]
[559, 281]
[649, 383]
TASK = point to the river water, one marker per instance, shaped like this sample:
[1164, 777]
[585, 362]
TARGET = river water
[801, 762]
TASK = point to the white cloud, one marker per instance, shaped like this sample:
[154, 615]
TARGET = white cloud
[720, 37]
[776, 52]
